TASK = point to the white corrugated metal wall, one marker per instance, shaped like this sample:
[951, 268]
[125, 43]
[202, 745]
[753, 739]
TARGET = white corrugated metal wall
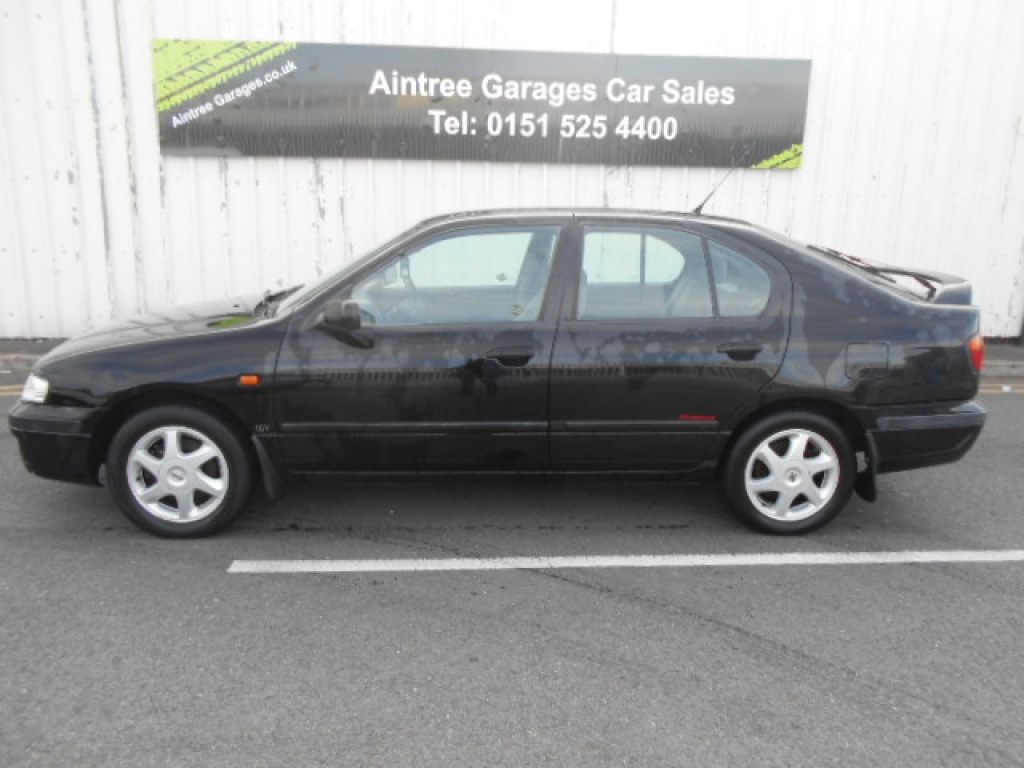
[914, 145]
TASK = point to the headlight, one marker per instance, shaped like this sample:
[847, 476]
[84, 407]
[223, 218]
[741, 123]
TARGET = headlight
[36, 389]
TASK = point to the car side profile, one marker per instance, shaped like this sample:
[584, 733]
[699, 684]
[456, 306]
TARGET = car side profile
[527, 341]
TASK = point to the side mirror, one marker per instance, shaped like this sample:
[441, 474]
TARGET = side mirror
[342, 315]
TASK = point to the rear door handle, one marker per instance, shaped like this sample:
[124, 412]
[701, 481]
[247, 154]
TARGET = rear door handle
[511, 357]
[742, 351]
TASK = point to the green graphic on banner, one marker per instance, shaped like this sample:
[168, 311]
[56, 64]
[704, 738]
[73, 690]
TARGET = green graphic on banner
[185, 69]
[791, 158]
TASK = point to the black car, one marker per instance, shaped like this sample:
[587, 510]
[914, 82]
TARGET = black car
[528, 341]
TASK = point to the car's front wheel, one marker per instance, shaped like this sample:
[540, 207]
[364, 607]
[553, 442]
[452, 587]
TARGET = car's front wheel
[179, 472]
[791, 472]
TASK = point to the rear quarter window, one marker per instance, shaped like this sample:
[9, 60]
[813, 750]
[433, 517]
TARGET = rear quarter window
[741, 286]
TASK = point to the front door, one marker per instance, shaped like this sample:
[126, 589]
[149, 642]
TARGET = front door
[671, 334]
[449, 369]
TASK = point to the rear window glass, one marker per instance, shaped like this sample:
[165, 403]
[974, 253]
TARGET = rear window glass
[875, 272]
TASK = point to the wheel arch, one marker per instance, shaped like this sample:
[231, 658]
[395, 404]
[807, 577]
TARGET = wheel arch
[829, 409]
[141, 400]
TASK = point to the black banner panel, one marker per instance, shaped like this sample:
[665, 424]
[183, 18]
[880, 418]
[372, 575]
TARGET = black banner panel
[320, 100]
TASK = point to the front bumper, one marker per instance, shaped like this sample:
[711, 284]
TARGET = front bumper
[913, 436]
[55, 440]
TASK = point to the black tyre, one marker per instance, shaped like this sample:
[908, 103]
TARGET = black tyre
[179, 472]
[789, 473]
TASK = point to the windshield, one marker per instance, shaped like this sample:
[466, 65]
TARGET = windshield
[305, 292]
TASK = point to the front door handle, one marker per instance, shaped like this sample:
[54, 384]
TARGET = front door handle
[742, 351]
[511, 357]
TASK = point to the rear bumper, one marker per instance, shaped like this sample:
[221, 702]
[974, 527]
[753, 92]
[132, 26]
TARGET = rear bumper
[913, 436]
[54, 441]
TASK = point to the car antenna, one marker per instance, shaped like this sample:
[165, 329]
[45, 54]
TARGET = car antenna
[696, 211]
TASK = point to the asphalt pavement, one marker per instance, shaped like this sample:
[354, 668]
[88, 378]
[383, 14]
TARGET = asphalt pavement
[120, 649]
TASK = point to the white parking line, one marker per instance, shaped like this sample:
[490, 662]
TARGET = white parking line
[627, 561]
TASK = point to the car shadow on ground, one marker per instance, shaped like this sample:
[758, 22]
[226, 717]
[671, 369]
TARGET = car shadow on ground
[490, 503]
[579, 514]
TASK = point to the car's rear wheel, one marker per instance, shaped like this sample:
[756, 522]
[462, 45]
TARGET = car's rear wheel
[179, 472]
[791, 472]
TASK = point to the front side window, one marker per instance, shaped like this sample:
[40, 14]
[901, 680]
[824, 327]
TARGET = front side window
[470, 276]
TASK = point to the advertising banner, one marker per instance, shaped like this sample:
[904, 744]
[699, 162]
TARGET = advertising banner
[324, 100]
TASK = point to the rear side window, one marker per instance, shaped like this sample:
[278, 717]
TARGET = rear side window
[630, 257]
[642, 274]
[645, 273]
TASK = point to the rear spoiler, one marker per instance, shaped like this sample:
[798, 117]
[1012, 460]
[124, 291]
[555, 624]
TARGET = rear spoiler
[939, 288]
[948, 289]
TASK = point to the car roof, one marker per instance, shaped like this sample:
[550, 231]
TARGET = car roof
[500, 214]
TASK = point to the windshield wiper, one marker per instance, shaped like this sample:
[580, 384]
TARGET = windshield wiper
[267, 306]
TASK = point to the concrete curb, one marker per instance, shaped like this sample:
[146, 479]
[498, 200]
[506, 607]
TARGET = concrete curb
[1003, 369]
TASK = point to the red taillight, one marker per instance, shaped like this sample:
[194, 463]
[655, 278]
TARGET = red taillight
[977, 347]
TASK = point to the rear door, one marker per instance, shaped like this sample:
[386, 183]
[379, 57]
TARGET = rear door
[670, 333]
